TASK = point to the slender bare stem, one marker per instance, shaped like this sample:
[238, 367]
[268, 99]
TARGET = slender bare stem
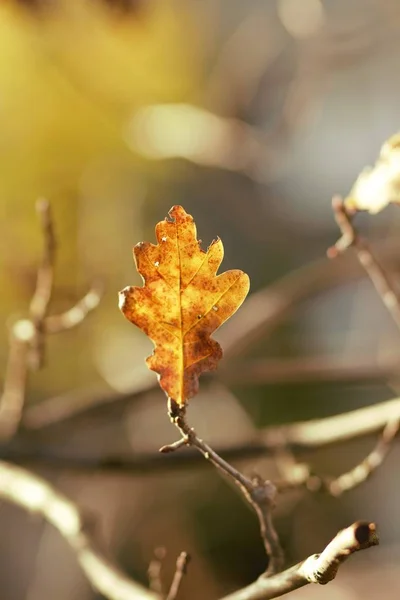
[180, 571]
[375, 271]
[318, 568]
[369, 465]
[75, 315]
[44, 285]
[13, 397]
[298, 474]
[154, 571]
[28, 336]
[26, 345]
[259, 494]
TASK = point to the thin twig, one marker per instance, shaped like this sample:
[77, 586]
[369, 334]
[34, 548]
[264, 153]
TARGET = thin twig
[26, 345]
[13, 397]
[300, 474]
[34, 494]
[375, 271]
[259, 494]
[360, 473]
[75, 315]
[154, 571]
[44, 285]
[28, 336]
[318, 568]
[266, 309]
[181, 569]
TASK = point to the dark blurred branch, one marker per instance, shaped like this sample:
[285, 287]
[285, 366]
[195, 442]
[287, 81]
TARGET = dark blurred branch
[266, 309]
[375, 271]
[318, 568]
[180, 572]
[33, 494]
[236, 76]
[309, 369]
[300, 436]
[259, 494]
[68, 405]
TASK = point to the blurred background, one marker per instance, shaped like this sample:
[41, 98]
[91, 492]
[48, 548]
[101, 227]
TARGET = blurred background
[251, 115]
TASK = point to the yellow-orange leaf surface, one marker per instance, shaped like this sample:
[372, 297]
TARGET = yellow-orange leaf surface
[182, 302]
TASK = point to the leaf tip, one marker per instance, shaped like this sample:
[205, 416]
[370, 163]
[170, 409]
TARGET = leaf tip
[177, 213]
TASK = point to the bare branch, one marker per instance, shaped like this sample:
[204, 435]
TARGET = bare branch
[28, 336]
[44, 284]
[266, 309]
[318, 568]
[373, 268]
[181, 569]
[68, 405]
[75, 315]
[13, 397]
[154, 571]
[259, 494]
[298, 474]
[26, 345]
[300, 436]
[364, 470]
[34, 494]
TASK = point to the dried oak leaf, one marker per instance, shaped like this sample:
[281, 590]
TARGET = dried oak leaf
[379, 185]
[182, 302]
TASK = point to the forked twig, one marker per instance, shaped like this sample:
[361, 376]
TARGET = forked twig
[28, 336]
[259, 494]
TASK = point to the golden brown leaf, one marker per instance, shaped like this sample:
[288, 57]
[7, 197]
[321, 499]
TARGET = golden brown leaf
[182, 302]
